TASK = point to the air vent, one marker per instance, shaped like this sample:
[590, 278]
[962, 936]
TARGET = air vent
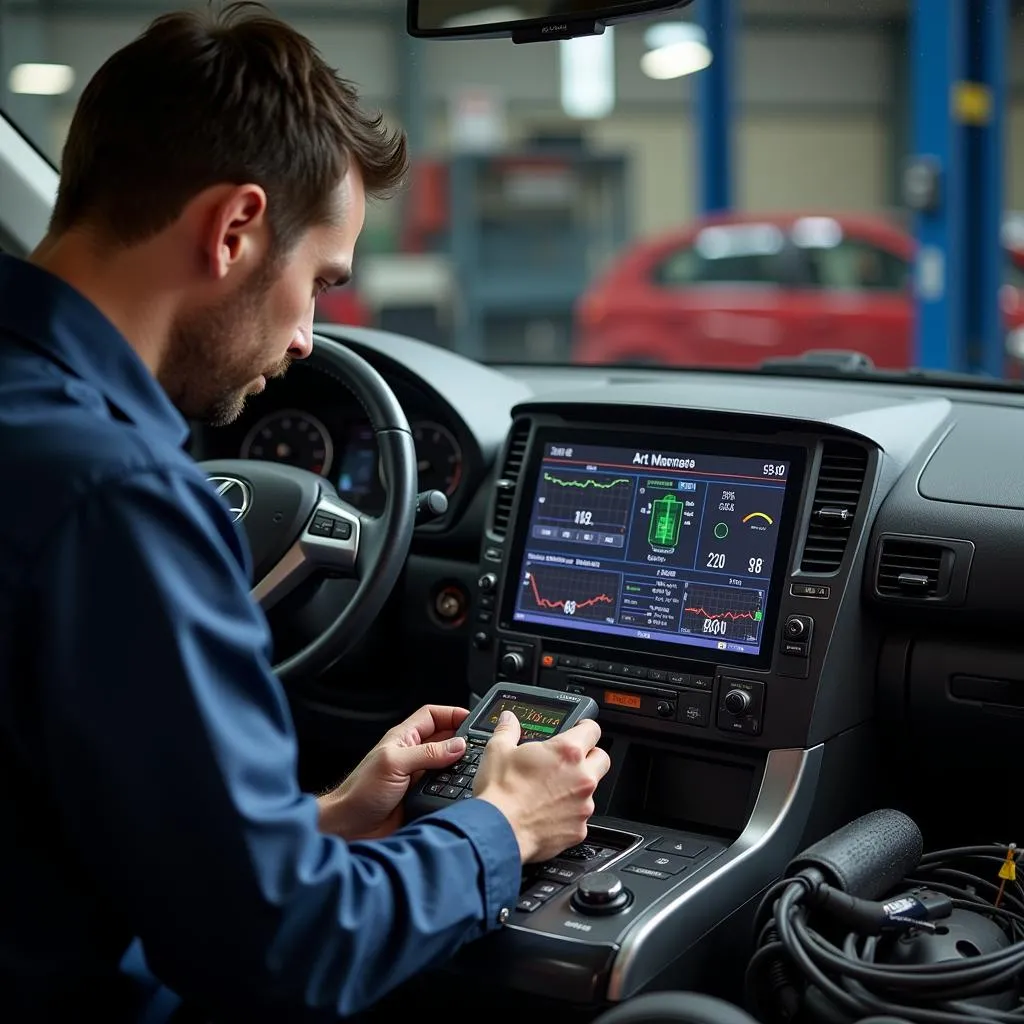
[510, 470]
[912, 568]
[840, 481]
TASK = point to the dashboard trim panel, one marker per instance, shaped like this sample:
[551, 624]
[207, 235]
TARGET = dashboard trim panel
[770, 838]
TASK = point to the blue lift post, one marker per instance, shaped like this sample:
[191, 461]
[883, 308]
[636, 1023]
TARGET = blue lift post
[957, 51]
[714, 88]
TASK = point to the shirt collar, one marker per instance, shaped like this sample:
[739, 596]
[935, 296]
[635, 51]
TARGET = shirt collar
[67, 328]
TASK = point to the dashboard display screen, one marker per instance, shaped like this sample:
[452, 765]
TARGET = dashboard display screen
[652, 545]
[537, 720]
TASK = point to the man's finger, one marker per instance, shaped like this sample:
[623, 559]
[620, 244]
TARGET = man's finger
[583, 734]
[431, 719]
[507, 731]
[598, 762]
[436, 754]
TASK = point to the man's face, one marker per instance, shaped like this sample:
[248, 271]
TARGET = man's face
[224, 352]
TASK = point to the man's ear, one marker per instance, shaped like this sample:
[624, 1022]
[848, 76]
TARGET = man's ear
[238, 232]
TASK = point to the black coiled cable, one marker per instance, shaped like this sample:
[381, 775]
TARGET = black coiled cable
[799, 948]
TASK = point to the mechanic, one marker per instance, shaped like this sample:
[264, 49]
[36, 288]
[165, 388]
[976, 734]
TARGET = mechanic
[213, 183]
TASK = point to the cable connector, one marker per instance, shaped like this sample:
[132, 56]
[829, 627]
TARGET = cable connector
[917, 909]
[914, 909]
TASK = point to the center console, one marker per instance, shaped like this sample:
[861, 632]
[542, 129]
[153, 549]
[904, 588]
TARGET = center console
[662, 572]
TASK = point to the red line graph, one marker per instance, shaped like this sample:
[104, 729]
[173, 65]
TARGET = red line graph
[720, 615]
[543, 602]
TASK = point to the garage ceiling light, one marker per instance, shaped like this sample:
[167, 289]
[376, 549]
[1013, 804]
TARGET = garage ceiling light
[588, 75]
[675, 49]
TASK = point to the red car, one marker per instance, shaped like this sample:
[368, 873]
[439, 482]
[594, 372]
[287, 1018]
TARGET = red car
[736, 290]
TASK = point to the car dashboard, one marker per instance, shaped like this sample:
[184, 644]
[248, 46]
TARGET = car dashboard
[792, 599]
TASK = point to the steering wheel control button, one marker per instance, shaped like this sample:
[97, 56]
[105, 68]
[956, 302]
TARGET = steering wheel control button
[322, 525]
[601, 892]
[327, 525]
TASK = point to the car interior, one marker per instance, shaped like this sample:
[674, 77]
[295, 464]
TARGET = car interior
[788, 590]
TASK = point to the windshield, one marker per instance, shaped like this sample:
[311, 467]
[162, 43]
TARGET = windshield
[587, 202]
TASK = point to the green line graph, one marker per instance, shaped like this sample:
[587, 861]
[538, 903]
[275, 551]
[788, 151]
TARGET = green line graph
[586, 483]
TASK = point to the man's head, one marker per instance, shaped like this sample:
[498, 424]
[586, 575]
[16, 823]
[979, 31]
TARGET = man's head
[226, 150]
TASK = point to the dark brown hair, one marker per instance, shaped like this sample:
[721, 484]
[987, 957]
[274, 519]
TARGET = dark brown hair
[211, 97]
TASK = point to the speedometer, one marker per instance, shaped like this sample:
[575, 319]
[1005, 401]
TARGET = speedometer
[439, 457]
[293, 437]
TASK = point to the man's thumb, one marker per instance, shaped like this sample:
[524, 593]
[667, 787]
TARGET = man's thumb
[508, 730]
[424, 756]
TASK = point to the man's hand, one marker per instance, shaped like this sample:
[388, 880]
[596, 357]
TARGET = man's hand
[545, 789]
[368, 804]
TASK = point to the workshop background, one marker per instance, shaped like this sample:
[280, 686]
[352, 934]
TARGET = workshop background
[737, 182]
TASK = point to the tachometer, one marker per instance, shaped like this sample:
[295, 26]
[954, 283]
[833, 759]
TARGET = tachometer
[293, 437]
[439, 457]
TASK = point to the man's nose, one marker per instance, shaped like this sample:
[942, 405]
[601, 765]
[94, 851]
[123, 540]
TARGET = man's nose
[302, 342]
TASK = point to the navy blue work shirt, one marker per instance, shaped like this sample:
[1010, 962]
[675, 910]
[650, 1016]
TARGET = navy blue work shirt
[148, 786]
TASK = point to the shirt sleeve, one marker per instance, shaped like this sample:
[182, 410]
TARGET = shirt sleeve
[172, 764]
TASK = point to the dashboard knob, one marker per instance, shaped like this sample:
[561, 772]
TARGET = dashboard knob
[513, 663]
[736, 702]
[665, 709]
[487, 582]
[481, 640]
[601, 892]
[795, 627]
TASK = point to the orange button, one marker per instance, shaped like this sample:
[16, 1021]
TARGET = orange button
[548, 661]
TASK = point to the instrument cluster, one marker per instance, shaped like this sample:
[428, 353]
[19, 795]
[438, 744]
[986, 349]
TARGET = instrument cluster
[303, 421]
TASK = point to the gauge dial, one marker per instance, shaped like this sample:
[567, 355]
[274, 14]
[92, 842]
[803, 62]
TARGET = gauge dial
[293, 437]
[439, 458]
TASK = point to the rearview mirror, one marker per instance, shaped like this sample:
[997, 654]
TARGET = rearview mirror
[526, 21]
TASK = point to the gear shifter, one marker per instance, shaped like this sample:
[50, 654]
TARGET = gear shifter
[430, 505]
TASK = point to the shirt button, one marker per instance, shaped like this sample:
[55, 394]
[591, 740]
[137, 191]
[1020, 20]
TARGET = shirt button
[503, 915]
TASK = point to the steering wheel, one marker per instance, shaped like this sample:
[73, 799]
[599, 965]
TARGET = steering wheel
[298, 527]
